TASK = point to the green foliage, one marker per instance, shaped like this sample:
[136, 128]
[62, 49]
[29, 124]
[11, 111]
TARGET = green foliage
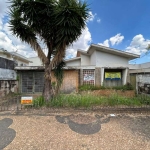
[90, 87]
[128, 86]
[56, 23]
[144, 99]
[17, 78]
[59, 73]
[89, 101]
[115, 100]
[39, 102]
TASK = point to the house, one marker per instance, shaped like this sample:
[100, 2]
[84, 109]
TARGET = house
[8, 76]
[101, 65]
[98, 66]
[35, 61]
[17, 58]
[140, 77]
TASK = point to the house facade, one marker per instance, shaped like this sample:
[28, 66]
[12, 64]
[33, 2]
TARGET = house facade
[8, 76]
[101, 65]
[98, 66]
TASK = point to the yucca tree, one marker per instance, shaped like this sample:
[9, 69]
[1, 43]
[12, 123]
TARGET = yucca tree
[58, 23]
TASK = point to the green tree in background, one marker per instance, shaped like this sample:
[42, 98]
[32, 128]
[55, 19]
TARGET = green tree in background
[58, 23]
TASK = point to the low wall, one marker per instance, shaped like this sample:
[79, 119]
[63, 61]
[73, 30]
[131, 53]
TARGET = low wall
[107, 92]
[7, 86]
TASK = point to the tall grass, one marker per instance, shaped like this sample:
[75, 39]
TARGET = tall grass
[87, 101]
[128, 86]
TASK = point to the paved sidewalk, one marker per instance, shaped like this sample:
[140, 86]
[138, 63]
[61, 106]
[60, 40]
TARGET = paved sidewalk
[75, 131]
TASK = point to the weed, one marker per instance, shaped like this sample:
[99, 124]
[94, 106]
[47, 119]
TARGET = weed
[88, 101]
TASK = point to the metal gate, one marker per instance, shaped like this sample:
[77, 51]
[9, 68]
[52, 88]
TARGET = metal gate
[32, 82]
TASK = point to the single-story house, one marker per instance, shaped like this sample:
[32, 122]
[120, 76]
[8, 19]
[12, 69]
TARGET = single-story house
[98, 66]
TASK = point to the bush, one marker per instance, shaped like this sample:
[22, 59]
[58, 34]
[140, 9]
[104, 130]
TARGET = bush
[128, 86]
[39, 101]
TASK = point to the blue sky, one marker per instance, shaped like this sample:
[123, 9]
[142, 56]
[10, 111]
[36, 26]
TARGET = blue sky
[119, 24]
[130, 20]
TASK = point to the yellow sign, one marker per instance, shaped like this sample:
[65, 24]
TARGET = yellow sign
[112, 75]
[27, 100]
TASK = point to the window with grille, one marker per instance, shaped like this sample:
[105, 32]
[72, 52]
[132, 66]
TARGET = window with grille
[32, 82]
[88, 77]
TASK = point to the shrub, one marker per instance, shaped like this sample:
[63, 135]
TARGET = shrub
[39, 101]
[128, 86]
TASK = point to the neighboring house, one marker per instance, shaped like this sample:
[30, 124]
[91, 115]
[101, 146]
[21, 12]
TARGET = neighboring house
[17, 58]
[140, 77]
[35, 61]
[98, 65]
[8, 76]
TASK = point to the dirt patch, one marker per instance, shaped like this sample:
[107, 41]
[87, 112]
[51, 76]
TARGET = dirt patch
[106, 92]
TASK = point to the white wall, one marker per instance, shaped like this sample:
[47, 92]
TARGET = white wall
[35, 61]
[85, 60]
[110, 60]
[124, 76]
[93, 58]
[20, 62]
[73, 63]
[102, 76]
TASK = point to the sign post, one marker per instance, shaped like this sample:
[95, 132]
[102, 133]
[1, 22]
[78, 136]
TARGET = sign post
[27, 100]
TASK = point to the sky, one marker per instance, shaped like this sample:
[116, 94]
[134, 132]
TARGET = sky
[118, 24]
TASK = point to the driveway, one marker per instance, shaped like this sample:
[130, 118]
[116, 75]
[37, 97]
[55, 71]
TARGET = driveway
[75, 131]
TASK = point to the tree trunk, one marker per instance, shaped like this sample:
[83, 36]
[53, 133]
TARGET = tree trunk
[47, 90]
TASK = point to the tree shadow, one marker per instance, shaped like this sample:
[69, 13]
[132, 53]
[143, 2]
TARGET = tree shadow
[6, 134]
[82, 128]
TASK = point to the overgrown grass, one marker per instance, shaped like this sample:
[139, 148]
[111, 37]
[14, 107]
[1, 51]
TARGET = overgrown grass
[39, 102]
[88, 101]
[128, 86]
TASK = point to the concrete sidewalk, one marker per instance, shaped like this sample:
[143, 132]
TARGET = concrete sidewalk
[75, 131]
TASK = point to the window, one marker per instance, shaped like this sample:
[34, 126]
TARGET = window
[88, 77]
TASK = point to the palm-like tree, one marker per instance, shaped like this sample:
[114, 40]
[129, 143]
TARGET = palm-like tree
[58, 23]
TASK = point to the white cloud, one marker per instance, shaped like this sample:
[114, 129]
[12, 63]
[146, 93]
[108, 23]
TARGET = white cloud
[98, 20]
[115, 40]
[138, 44]
[91, 16]
[105, 43]
[11, 43]
[82, 43]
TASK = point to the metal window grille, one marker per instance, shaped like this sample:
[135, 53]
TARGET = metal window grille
[32, 82]
[88, 77]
